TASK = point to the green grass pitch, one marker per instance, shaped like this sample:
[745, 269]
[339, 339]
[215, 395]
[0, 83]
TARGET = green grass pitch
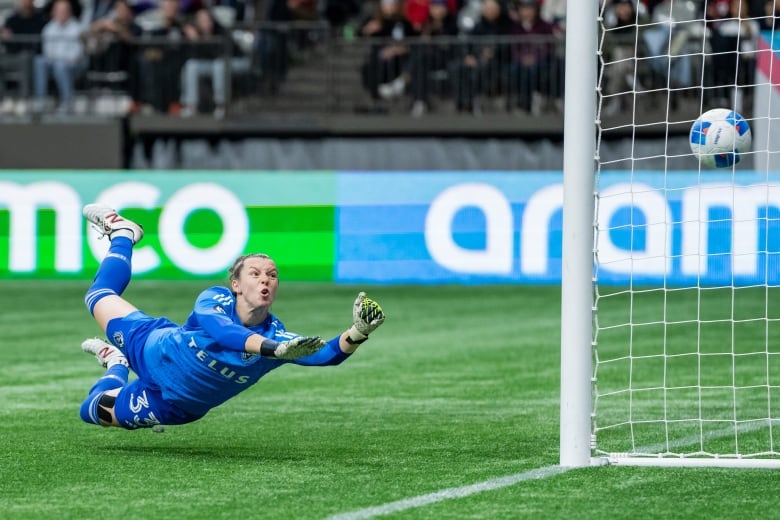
[460, 386]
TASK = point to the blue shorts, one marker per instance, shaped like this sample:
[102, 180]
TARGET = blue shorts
[140, 403]
[130, 333]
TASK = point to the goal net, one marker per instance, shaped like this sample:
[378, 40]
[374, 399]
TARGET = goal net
[686, 271]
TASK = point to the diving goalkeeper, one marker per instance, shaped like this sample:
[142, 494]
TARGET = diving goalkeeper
[229, 341]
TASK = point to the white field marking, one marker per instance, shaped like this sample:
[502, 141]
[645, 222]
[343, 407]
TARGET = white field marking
[446, 494]
[534, 474]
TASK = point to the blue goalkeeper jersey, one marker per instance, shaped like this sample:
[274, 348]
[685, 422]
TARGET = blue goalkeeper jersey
[203, 363]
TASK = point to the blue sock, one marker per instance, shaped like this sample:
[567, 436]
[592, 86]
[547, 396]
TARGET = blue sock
[115, 377]
[114, 272]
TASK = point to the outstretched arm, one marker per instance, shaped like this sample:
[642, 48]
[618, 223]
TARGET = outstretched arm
[367, 316]
[291, 349]
[211, 315]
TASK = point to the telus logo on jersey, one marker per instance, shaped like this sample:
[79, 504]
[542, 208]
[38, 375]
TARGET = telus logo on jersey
[215, 365]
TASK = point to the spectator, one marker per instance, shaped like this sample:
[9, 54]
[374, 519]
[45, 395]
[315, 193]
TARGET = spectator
[188, 8]
[274, 42]
[649, 6]
[76, 8]
[535, 67]
[667, 41]
[429, 58]
[239, 10]
[621, 23]
[770, 19]
[756, 9]
[483, 68]
[383, 73]
[144, 7]
[160, 60]
[554, 12]
[749, 35]
[733, 42]
[63, 56]
[25, 21]
[111, 42]
[208, 55]
[339, 12]
[417, 12]
[97, 10]
[21, 34]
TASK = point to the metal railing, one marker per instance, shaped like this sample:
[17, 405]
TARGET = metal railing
[268, 68]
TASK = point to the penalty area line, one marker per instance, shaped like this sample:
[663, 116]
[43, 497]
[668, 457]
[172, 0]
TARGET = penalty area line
[450, 493]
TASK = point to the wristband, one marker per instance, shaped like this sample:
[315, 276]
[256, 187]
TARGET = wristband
[355, 337]
[355, 341]
[268, 348]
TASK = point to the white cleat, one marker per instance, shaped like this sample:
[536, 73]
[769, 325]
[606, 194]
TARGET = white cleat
[107, 355]
[106, 221]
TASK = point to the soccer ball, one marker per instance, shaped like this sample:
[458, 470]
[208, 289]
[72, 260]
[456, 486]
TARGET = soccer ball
[719, 138]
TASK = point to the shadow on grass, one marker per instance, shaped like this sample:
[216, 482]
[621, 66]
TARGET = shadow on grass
[239, 454]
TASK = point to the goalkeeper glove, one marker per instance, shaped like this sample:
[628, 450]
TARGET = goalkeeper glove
[295, 348]
[367, 316]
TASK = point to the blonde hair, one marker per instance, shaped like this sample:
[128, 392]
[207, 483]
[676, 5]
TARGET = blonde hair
[235, 270]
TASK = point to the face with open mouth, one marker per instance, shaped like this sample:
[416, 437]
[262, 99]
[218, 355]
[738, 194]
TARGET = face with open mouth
[258, 283]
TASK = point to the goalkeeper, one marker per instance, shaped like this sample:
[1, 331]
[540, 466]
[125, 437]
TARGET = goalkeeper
[229, 341]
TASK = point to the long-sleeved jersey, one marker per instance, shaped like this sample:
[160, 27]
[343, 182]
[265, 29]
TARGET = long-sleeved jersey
[203, 363]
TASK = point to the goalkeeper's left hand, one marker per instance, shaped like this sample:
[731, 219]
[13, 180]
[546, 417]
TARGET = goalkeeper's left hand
[298, 347]
[367, 316]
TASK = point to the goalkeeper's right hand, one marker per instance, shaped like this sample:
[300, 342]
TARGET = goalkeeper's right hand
[301, 346]
[367, 316]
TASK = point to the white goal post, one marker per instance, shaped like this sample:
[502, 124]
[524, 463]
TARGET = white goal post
[670, 290]
[579, 140]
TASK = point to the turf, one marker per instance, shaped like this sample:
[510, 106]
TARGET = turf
[458, 387]
[688, 363]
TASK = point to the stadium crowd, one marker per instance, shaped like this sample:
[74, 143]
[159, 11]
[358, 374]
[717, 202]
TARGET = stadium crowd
[158, 52]
[709, 44]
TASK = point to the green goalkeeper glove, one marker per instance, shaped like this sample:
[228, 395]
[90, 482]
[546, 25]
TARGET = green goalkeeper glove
[295, 348]
[367, 316]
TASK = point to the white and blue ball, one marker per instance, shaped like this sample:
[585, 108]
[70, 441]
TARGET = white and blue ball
[720, 137]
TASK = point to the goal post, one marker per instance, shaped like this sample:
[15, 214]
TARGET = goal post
[579, 139]
[670, 289]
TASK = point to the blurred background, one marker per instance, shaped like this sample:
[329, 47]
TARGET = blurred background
[349, 84]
